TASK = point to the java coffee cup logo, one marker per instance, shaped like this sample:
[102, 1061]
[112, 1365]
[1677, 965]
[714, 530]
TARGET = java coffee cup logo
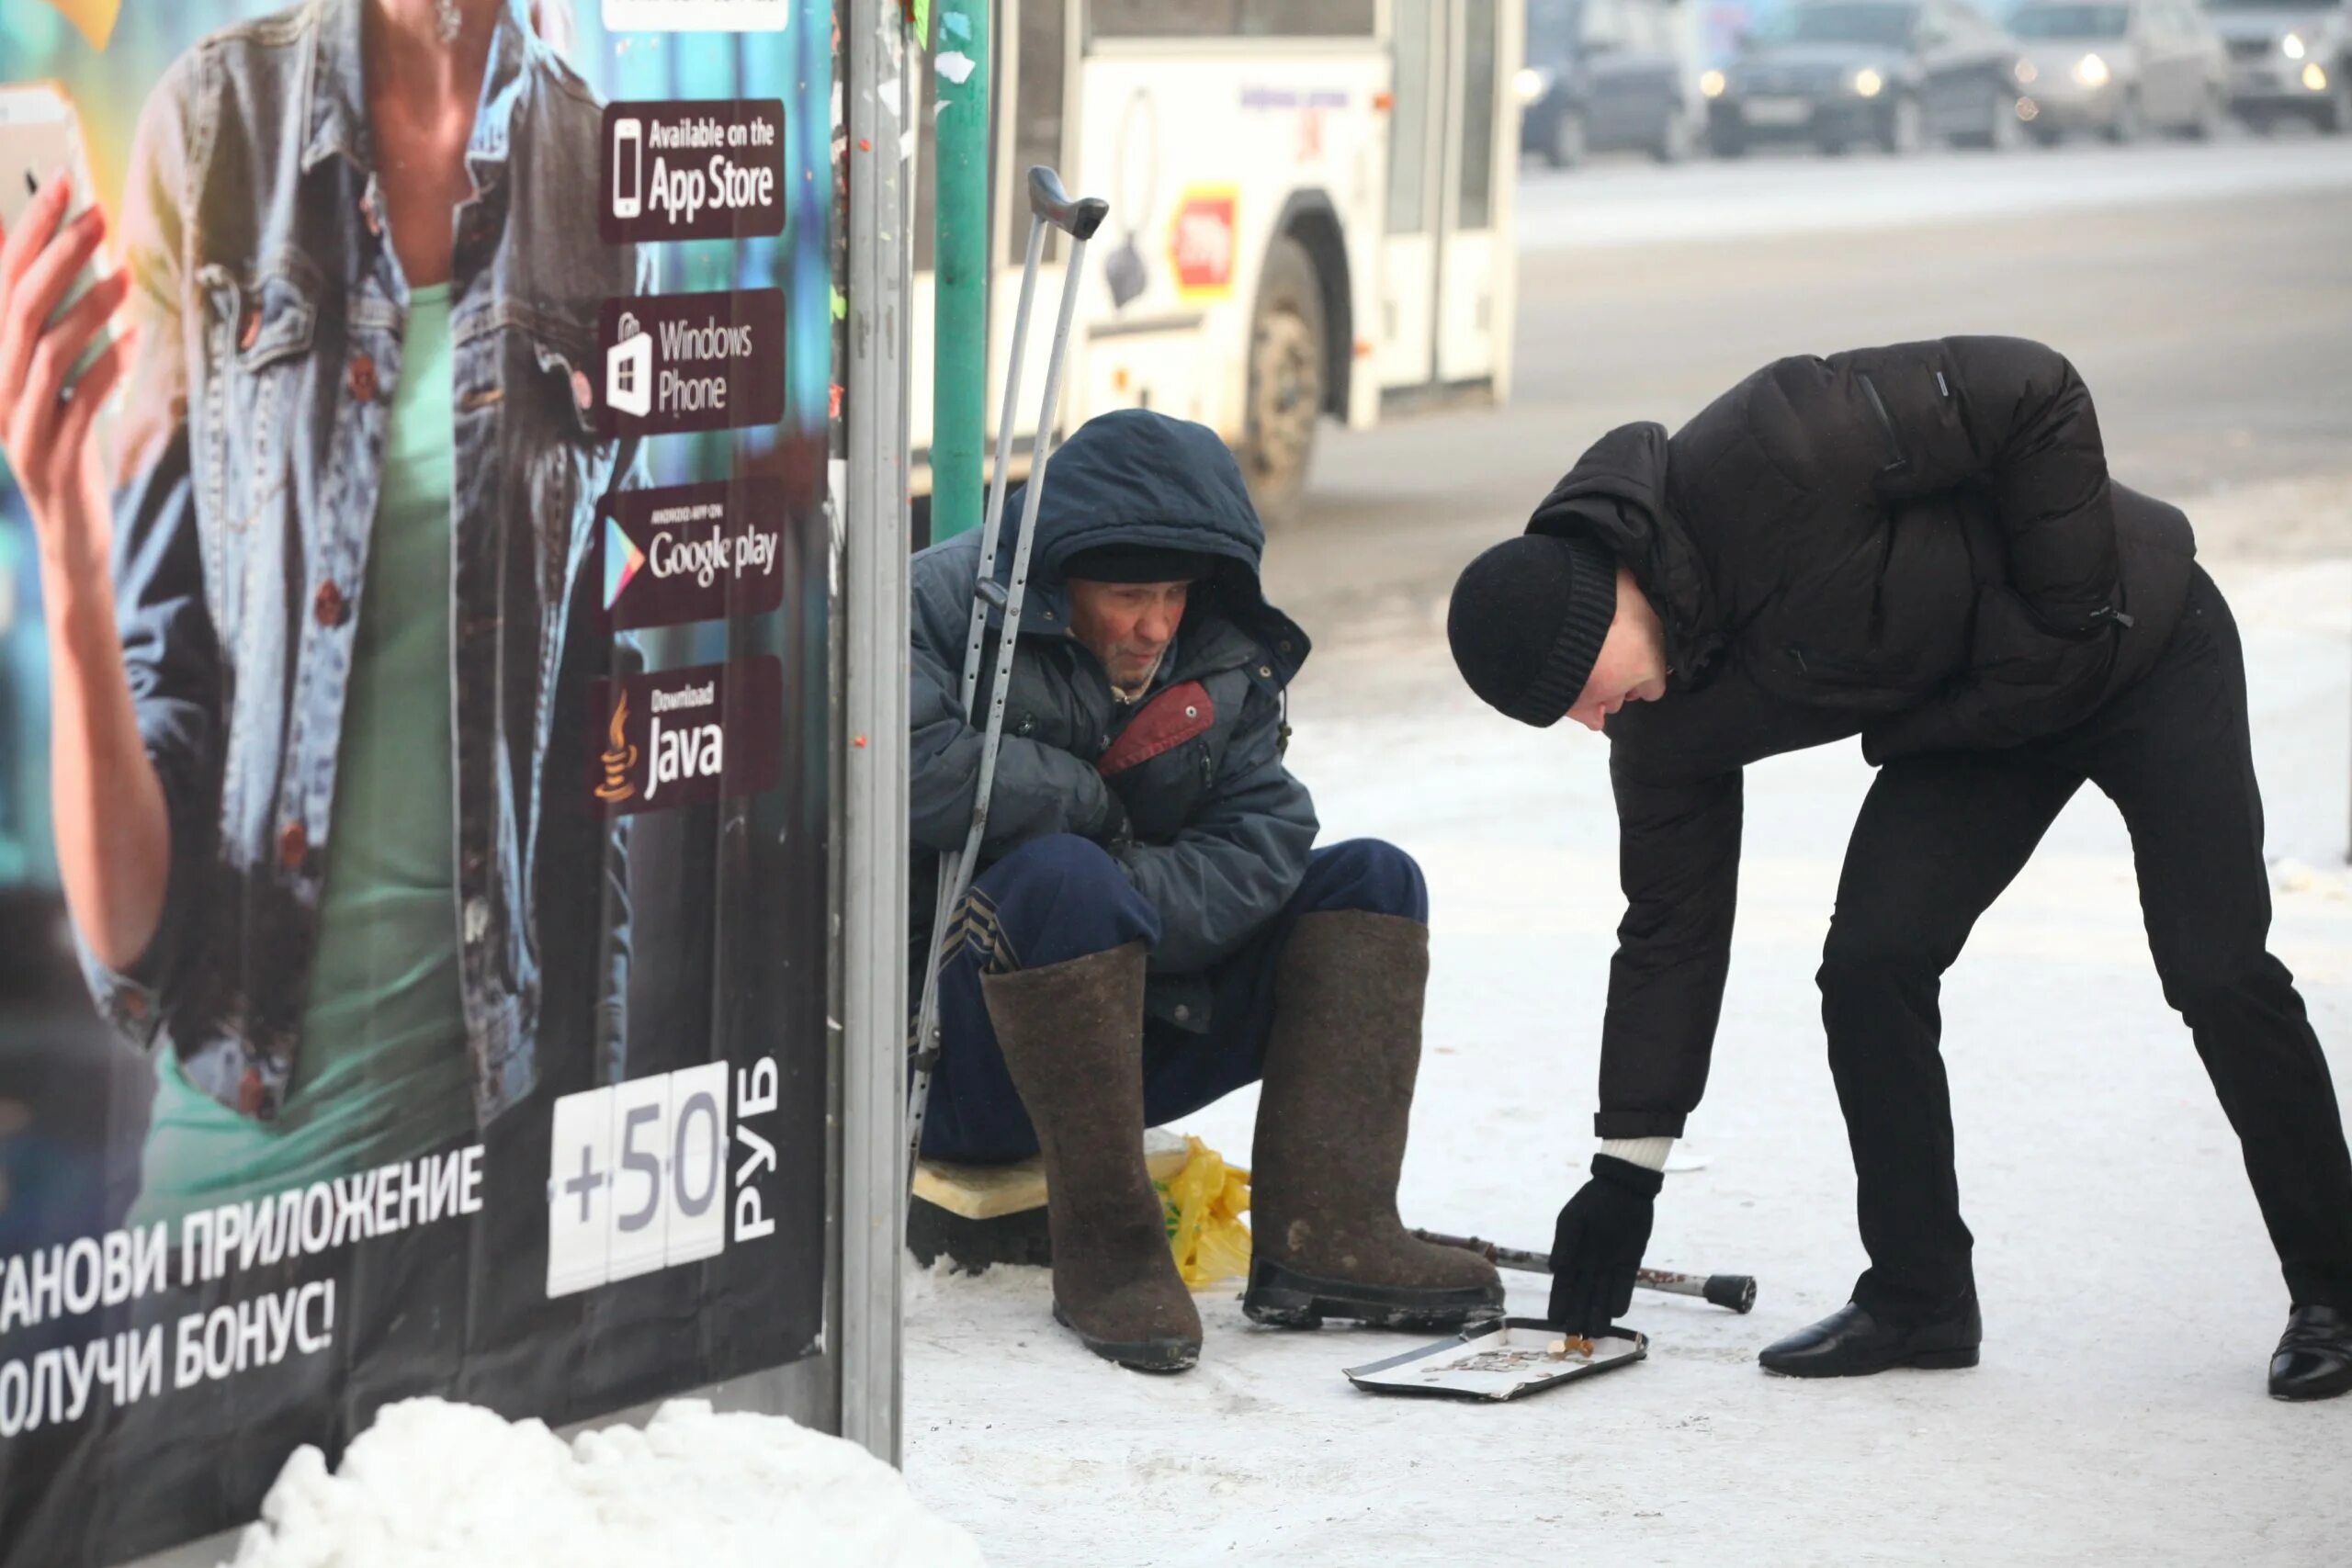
[689, 737]
[685, 553]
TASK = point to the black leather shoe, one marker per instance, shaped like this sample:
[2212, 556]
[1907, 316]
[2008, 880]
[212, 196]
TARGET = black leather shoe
[1851, 1343]
[2314, 1355]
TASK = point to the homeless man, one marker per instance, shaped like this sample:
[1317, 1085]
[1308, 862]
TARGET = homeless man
[1149, 930]
[1921, 545]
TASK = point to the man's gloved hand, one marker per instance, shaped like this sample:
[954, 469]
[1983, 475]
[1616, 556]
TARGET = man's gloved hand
[1118, 829]
[1597, 1244]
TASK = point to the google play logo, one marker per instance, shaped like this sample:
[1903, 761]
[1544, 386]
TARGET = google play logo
[680, 554]
[623, 561]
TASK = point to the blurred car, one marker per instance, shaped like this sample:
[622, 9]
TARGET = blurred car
[2288, 60]
[2120, 67]
[1896, 72]
[1605, 75]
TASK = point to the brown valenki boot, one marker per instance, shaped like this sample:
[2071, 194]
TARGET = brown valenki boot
[1072, 1038]
[1325, 1240]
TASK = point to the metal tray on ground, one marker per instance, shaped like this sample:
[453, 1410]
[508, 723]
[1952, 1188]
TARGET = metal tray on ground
[1502, 1361]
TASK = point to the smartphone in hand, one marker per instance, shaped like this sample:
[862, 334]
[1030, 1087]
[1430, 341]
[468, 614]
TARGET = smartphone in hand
[39, 137]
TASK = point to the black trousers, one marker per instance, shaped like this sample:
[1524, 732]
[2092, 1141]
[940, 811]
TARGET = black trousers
[1937, 839]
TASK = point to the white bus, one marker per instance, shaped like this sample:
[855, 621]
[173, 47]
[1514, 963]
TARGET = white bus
[1310, 212]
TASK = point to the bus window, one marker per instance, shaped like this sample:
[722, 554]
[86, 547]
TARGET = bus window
[1409, 134]
[1478, 21]
[1038, 115]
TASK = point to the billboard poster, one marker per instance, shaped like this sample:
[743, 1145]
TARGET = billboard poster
[413, 727]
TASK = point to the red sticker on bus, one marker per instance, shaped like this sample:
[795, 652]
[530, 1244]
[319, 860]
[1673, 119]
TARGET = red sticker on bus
[1200, 241]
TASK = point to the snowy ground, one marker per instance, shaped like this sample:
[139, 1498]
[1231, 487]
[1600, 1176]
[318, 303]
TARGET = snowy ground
[692, 1486]
[2131, 1298]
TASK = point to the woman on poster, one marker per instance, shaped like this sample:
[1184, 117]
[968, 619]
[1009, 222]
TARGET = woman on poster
[321, 666]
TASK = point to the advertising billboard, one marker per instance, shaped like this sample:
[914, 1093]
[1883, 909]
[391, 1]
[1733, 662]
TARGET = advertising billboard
[414, 700]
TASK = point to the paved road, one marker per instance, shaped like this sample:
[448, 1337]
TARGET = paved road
[1633, 201]
[2213, 327]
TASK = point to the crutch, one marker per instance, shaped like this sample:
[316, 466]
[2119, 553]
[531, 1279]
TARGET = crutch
[1736, 1291]
[1049, 205]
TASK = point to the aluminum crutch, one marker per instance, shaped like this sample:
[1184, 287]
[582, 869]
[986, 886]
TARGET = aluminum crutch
[1049, 207]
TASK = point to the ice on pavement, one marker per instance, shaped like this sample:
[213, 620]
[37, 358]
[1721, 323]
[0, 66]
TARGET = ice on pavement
[2130, 1297]
[433, 1484]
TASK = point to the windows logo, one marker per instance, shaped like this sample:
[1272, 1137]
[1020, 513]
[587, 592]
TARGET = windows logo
[628, 370]
[623, 561]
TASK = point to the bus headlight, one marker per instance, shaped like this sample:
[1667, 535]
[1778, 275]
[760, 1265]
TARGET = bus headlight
[2092, 72]
[1711, 85]
[2028, 74]
[1869, 82]
[2314, 78]
[1531, 84]
[2292, 47]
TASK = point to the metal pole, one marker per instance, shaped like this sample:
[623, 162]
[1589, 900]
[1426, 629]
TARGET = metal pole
[874, 771]
[960, 271]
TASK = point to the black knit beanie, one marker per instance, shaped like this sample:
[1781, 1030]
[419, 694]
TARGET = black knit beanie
[1528, 619]
[1139, 563]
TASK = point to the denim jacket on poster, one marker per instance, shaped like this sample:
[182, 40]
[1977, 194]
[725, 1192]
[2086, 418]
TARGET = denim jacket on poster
[272, 306]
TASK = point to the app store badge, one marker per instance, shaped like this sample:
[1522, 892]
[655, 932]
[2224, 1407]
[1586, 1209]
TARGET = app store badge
[691, 169]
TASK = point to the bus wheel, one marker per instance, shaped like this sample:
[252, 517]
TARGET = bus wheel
[1286, 358]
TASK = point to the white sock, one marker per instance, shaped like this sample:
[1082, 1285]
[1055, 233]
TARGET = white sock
[1648, 1152]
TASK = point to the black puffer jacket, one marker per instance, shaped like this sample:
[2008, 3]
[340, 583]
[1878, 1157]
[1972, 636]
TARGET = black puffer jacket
[1919, 544]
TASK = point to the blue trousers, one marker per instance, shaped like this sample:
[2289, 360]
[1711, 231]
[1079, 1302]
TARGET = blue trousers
[1062, 897]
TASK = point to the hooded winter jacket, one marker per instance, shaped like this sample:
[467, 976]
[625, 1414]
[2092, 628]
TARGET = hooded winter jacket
[1917, 544]
[1198, 810]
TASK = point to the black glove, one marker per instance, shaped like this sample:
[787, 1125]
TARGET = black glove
[1119, 832]
[1597, 1247]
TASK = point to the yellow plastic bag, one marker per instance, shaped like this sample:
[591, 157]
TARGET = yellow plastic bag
[1204, 1203]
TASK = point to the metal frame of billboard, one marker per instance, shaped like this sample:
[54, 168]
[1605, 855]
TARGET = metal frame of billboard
[870, 796]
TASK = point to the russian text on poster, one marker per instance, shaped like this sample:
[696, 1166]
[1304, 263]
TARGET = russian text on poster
[642, 1175]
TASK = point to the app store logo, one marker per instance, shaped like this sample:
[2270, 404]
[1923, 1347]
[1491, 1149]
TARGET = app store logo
[691, 169]
[629, 167]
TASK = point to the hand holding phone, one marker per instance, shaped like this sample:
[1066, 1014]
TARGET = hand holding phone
[59, 360]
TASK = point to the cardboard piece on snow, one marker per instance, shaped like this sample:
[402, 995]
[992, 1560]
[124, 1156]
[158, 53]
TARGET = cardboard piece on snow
[991, 1192]
[1503, 1361]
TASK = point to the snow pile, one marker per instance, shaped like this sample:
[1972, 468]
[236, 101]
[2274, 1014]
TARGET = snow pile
[433, 1484]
